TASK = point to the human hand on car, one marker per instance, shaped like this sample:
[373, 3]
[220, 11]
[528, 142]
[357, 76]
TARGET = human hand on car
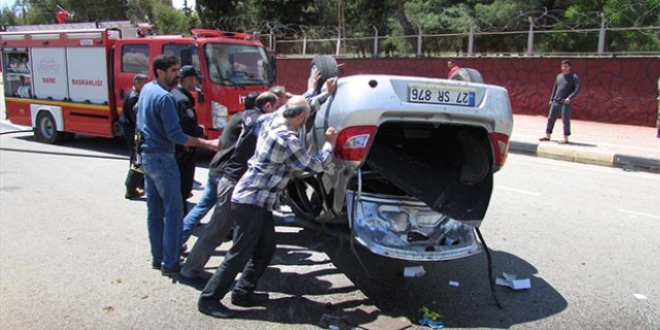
[313, 80]
[331, 84]
[331, 135]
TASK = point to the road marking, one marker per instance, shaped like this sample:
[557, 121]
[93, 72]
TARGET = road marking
[518, 191]
[640, 214]
[521, 159]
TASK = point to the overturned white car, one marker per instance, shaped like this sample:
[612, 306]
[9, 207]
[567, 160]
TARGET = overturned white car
[413, 169]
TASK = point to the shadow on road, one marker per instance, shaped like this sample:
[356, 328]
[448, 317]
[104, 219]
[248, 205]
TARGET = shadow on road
[467, 306]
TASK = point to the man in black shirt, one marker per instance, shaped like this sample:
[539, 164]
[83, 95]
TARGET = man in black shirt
[232, 170]
[134, 179]
[210, 195]
[185, 156]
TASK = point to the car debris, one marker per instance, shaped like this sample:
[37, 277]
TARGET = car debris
[415, 271]
[512, 281]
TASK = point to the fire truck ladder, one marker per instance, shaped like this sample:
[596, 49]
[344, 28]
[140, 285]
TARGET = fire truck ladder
[120, 25]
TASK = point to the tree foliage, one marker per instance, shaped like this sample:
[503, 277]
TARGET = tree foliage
[492, 20]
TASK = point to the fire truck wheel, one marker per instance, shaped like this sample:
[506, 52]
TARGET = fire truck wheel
[328, 67]
[46, 129]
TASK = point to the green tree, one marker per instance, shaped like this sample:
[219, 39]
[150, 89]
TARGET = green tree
[8, 16]
[169, 20]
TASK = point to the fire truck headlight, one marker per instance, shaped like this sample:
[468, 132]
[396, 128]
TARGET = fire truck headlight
[219, 115]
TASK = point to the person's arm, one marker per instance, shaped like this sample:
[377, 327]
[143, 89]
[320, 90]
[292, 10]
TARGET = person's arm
[576, 88]
[554, 90]
[188, 125]
[331, 87]
[311, 86]
[169, 117]
[301, 160]
[131, 115]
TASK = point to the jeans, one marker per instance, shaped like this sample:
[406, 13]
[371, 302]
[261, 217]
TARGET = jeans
[214, 233]
[206, 202]
[253, 249]
[556, 108]
[164, 209]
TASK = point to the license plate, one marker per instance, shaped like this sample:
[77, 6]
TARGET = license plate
[439, 95]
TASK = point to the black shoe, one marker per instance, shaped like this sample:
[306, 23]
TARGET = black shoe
[215, 308]
[173, 271]
[156, 264]
[249, 299]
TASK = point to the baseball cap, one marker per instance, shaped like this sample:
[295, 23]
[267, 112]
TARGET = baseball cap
[188, 71]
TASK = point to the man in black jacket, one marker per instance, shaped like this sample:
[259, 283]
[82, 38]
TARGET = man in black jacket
[210, 195]
[185, 156]
[232, 170]
[134, 179]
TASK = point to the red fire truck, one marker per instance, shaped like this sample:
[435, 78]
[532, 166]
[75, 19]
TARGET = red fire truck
[71, 78]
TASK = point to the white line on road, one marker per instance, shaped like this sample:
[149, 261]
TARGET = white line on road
[640, 214]
[518, 191]
[591, 168]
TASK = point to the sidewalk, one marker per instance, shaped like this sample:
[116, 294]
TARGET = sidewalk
[628, 147]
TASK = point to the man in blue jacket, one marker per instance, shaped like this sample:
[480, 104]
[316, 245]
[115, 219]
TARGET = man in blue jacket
[159, 131]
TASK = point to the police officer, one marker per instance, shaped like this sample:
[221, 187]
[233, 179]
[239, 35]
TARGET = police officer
[185, 156]
[134, 178]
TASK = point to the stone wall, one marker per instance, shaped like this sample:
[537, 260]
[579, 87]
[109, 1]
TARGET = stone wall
[622, 91]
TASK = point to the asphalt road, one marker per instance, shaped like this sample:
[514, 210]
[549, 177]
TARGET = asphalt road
[74, 254]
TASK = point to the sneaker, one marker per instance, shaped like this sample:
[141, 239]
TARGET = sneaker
[249, 299]
[156, 263]
[214, 308]
[170, 272]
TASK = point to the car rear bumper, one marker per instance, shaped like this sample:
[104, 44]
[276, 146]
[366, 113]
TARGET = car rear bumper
[405, 228]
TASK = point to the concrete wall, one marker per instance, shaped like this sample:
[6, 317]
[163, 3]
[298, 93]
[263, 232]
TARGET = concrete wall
[622, 91]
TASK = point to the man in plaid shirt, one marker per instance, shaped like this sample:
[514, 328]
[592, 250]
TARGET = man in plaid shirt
[278, 155]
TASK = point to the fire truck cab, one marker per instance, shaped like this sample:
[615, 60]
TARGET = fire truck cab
[71, 78]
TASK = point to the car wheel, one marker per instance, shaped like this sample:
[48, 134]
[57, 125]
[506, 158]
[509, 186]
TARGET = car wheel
[46, 129]
[467, 74]
[328, 67]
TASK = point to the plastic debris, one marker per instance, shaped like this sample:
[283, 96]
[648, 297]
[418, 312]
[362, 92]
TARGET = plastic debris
[640, 296]
[415, 271]
[454, 284]
[430, 318]
[512, 281]
[431, 324]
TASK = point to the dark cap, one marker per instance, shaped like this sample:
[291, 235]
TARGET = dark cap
[188, 71]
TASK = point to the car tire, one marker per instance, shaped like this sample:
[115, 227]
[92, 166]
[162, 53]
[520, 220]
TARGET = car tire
[328, 67]
[46, 129]
[467, 74]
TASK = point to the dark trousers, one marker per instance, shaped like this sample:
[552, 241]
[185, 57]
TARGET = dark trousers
[559, 107]
[253, 249]
[187, 164]
[215, 231]
[134, 179]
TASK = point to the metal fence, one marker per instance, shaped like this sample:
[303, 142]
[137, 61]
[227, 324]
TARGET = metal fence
[449, 45]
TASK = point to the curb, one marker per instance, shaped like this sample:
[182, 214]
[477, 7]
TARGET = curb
[591, 157]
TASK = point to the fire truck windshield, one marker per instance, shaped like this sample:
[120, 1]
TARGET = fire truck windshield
[238, 64]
